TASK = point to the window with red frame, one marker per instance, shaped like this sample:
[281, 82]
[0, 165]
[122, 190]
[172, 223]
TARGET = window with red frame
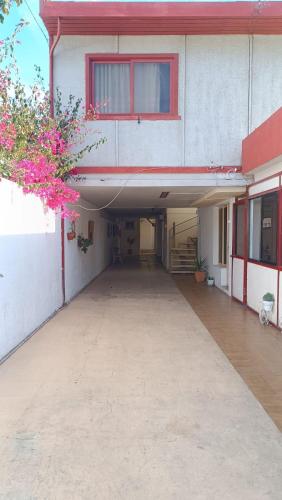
[239, 229]
[263, 226]
[133, 86]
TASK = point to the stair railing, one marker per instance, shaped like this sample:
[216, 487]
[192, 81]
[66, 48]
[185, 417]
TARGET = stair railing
[173, 232]
[180, 228]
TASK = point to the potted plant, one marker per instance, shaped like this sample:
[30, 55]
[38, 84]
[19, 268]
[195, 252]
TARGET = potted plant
[268, 301]
[210, 280]
[83, 243]
[200, 269]
[71, 233]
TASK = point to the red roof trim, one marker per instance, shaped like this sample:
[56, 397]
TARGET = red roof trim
[263, 144]
[162, 17]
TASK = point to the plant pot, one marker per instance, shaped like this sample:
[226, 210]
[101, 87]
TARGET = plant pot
[210, 282]
[267, 305]
[200, 276]
[71, 235]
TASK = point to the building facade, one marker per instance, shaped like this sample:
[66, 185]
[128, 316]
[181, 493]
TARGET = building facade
[178, 88]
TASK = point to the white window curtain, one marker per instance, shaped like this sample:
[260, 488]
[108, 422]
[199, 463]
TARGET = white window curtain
[146, 88]
[112, 87]
[255, 229]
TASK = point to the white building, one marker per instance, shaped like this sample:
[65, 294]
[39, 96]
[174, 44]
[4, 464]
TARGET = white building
[180, 86]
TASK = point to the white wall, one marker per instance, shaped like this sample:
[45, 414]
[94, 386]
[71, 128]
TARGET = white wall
[82, 268]
[208, 244]
[238, 279]
[130, 233]
[147, 235]
[261, 280]
[215, 86]
[30, 261]
[179, 215]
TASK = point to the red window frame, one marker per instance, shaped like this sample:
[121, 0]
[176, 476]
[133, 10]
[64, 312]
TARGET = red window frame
[237, 203]
[172, 59]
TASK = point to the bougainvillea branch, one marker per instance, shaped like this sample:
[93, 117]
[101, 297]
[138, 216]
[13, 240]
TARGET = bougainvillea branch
[37, 151]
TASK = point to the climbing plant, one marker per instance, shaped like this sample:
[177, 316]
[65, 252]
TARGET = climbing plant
[5, 6]
[39, 151]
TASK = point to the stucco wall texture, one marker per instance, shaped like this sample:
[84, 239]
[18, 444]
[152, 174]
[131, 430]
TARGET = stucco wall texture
[30, 262]
[228, 85]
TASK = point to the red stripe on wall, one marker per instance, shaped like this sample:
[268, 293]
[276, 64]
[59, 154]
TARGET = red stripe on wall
[157, 170]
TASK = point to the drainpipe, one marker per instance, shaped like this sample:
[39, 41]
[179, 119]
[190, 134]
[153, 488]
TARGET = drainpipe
[53, 44]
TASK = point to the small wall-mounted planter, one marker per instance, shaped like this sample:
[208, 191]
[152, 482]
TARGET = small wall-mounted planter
[83, 243]
[71, 235]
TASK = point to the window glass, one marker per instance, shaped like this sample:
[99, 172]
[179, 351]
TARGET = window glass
[239, 244]
[269, 229]
[112, 87]
[255, 229]
[151, 87]
[222, 235]
[263, 229]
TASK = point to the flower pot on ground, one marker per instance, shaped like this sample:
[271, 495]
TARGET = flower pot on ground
[210, 281]
[268, 301]
[200, 270]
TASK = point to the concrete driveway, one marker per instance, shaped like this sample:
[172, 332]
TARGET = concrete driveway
[125, 395]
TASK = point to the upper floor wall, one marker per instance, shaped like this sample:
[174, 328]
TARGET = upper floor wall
[227, 85]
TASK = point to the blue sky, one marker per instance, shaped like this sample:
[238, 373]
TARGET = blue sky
[34, 47]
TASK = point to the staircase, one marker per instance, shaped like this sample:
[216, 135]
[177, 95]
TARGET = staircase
[183, 254]
[182, 257]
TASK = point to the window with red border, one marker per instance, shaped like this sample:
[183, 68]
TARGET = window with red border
[128, 87]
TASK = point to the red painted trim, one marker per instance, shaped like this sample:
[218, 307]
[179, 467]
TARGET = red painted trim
[263, 144]
[52, 45]
[136, 18]
[265, 179]
[154, 170]
[237, 300]
[136, 117]
[264, 264]
[63, 259]
[237, 257]
[246, 249]
[262, 193]
[279, 250]
[172, 59]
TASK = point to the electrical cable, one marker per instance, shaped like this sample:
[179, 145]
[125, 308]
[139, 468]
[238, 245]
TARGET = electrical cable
[116, 195]
[124, 186]
[30, 11]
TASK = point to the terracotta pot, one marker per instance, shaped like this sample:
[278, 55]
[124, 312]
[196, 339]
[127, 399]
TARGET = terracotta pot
[71, 235]
[200, 276]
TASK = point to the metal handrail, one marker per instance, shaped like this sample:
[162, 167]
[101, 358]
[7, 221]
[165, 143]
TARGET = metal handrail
[187, 220]
[186, 229]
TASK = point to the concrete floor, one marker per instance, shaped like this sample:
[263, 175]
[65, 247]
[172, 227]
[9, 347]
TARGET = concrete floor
[125, 395]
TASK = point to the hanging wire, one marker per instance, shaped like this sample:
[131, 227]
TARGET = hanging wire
[33, 16]
[117, 194]
[127, 181]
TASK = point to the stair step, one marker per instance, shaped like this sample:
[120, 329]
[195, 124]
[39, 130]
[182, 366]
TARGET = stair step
[184, 266]
[183, 250]
[179, 271]
[184, 261]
